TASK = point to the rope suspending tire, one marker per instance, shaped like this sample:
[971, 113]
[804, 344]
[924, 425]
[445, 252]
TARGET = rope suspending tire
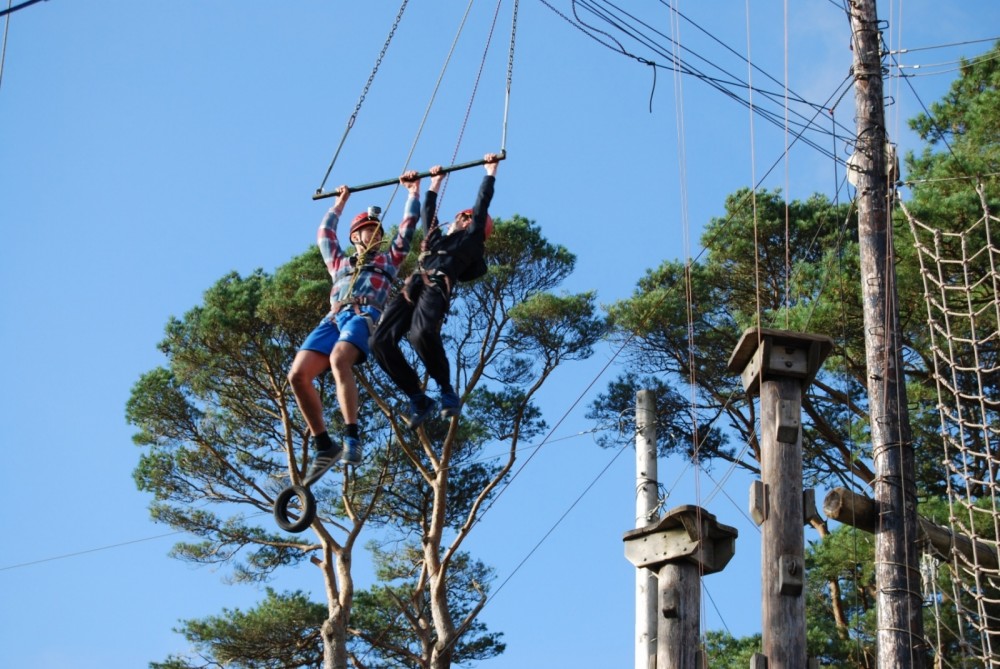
[301, 515]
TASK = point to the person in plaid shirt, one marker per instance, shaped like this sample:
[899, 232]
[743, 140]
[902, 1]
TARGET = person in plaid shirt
[361, 285]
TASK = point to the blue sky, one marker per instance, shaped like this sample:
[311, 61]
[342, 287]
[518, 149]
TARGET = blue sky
[148, 148]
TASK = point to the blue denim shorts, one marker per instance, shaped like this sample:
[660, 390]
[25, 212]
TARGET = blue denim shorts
[346, 326]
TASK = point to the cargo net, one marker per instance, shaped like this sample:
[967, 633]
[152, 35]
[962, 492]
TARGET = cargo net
[961, 287]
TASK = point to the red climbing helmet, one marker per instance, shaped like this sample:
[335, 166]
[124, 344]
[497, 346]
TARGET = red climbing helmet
[366, 218]
[489, 221]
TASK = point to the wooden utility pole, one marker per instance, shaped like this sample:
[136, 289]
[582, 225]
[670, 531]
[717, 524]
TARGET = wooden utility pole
[900, 622]
[779, 366]
[646, 504]
[687, 543]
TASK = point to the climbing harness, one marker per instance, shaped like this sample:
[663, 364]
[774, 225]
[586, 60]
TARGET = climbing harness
[428, 279]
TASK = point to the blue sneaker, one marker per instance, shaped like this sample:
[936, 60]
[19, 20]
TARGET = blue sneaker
[451, 404]
[322, 461]
[352, 450]
[421, 408]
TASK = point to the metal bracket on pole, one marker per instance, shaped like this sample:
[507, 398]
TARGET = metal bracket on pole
[758, 502]
[791, 575]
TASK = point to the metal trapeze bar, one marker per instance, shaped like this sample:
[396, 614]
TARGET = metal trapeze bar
[320, 194]
[13, 9]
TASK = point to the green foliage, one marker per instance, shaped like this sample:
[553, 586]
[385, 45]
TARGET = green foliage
[962, 132]
[674, 430]
[724, 651]
[387, 613]
[841, 581]
[282, 632]
[564, 326]
[683, 322]
[215, 428]
[220, 434]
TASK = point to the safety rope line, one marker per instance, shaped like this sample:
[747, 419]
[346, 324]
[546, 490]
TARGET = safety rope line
[692, 365]
[472, 99]
[430, 102]
[3, 47]
[788, 187]
[320, 193]
[753, 180]
[510, 77]
[364, 93]
[911, 550]
[437, 86]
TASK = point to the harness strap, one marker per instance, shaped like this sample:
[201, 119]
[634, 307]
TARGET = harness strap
[356, 305]
[369, 321]
[356, 302]
[372, 267]
[434, 278]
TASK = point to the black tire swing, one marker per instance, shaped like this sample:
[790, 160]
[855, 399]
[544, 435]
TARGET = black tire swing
[306, 502]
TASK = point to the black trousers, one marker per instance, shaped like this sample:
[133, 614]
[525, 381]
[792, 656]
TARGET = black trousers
[421, 319]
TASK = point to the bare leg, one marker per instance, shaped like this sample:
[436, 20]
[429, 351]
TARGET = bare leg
[342, 361]
[305, 368]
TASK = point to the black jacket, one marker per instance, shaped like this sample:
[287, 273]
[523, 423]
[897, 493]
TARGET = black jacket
[458, 255]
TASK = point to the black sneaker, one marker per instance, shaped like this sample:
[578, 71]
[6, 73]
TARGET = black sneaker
[420, 410]
[451, 404]
[322, 461]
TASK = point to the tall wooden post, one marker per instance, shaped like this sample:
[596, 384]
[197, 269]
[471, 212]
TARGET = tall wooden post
[687, 543]
[646, 503]
[779, 366]
[898, 599]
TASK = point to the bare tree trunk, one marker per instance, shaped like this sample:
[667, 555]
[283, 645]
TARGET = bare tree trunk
[444, 626]
[334, 634]
[334, 629]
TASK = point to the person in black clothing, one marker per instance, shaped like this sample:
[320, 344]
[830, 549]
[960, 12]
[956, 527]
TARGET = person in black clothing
[421, 306]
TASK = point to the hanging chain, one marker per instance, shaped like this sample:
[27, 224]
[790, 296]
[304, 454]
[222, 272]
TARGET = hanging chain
[510, 77]
[378, 62]
[510, 57]
[364, 93]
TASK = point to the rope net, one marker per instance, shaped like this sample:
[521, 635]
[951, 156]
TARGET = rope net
[962, 290]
